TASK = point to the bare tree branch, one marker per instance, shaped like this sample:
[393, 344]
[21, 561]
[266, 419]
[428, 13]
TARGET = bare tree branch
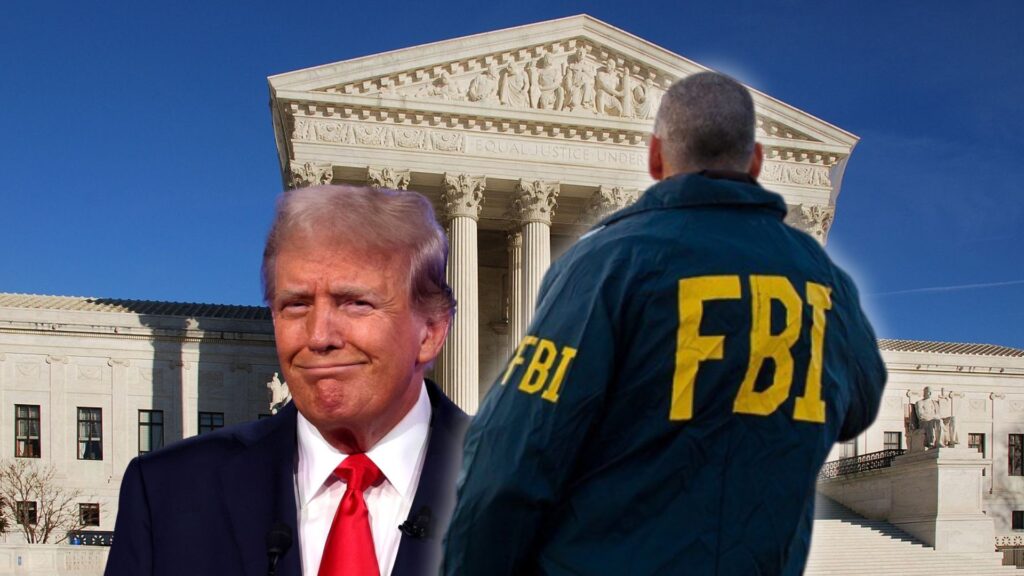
[57, 512]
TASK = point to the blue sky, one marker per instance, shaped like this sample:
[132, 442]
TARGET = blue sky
[138, 155]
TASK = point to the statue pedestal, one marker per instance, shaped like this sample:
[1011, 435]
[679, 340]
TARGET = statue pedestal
[937, 497]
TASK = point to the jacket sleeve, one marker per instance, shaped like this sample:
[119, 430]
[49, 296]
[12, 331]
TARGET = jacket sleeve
[865, 364]
[131, 552]
[521, 446]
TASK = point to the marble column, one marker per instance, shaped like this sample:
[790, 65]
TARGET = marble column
[516, 329]
[533, 205]
[458, 367]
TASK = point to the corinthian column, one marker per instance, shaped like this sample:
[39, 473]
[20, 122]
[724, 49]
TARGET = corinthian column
[459, 364]
[516, 328]
[533, 204]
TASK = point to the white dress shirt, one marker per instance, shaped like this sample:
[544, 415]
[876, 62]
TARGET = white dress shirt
[399, 455]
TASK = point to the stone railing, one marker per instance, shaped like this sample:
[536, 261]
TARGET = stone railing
[52, 560]
[862, 463]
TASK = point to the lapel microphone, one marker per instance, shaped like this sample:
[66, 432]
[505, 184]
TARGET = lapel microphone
[279, 540]
[418, 525]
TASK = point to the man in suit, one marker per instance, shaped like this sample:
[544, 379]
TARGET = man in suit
[358, 471]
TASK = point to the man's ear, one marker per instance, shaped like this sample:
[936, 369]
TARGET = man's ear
[754, 170]
[435, 331]
[655, 163]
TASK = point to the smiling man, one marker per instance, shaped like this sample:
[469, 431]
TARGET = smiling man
[359, 469]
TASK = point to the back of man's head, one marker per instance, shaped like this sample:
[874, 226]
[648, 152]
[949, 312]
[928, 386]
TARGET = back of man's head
[705, 122]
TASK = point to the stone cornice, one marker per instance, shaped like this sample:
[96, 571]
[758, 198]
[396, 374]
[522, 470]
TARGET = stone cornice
[423, 130]
[123, 333]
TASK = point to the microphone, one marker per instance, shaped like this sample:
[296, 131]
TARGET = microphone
[418, 525]
[279, 540]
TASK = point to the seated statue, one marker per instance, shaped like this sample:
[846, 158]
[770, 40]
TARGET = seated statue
[931, 423]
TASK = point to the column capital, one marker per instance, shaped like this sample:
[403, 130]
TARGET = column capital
[513, 239]
[310, 174]
[534, 201]
[605, 200]
[386, 177]
[463, 195]
[814, 219]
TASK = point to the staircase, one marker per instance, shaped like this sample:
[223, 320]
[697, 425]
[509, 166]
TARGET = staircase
[847, 544]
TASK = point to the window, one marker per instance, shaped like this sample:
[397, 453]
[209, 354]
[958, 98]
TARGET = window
[1016, 445]
[89, 514]
[1018, 520]
[90, 434]
[848, 449]
[26, 431]
[151, 430]
[976, 441]
[893, 441]
[210, 421]
[26, 512]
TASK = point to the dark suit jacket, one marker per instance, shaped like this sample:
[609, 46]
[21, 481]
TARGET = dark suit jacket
[203, 506]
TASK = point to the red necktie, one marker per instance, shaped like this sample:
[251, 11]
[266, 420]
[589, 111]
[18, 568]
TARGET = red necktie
[349, 549]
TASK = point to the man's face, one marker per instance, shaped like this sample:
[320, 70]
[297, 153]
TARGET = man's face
[351, 347]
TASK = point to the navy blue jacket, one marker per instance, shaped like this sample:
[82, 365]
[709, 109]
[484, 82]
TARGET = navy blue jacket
[690, 364]
[203, 506]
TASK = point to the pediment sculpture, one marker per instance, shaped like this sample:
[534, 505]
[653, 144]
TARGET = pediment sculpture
[571, 81]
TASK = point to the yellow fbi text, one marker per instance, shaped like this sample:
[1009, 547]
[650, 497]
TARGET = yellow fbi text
[694, 348]
[546, 368]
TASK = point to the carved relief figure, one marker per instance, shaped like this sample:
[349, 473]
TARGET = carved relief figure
[484, 88]
[608, 98]
[546, 91]
[579, 83]
[642, 99]
[515, 86]
[442, 87]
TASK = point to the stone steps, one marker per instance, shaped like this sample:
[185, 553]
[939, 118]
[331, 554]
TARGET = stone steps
[845, 544]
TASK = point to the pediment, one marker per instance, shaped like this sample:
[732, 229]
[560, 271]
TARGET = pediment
[573, 72]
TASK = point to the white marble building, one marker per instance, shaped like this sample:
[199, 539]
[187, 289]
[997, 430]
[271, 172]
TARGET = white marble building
[87, 384]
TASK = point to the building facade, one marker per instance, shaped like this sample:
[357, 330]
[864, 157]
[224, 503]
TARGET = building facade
[87, 384]
[522, 138]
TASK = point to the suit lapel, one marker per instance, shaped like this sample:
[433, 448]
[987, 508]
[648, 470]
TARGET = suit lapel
[436, 488]
[259, 491]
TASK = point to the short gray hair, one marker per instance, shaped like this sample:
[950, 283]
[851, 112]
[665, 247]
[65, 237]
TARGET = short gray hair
[391, 221]
[706, 121]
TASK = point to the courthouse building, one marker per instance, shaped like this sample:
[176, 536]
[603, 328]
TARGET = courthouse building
[522, 138]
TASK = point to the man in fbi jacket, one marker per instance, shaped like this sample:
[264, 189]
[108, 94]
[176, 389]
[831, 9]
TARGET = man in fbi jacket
[690, 364]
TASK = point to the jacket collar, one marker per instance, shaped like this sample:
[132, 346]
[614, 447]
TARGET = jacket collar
[706, 188]
[259, 490]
